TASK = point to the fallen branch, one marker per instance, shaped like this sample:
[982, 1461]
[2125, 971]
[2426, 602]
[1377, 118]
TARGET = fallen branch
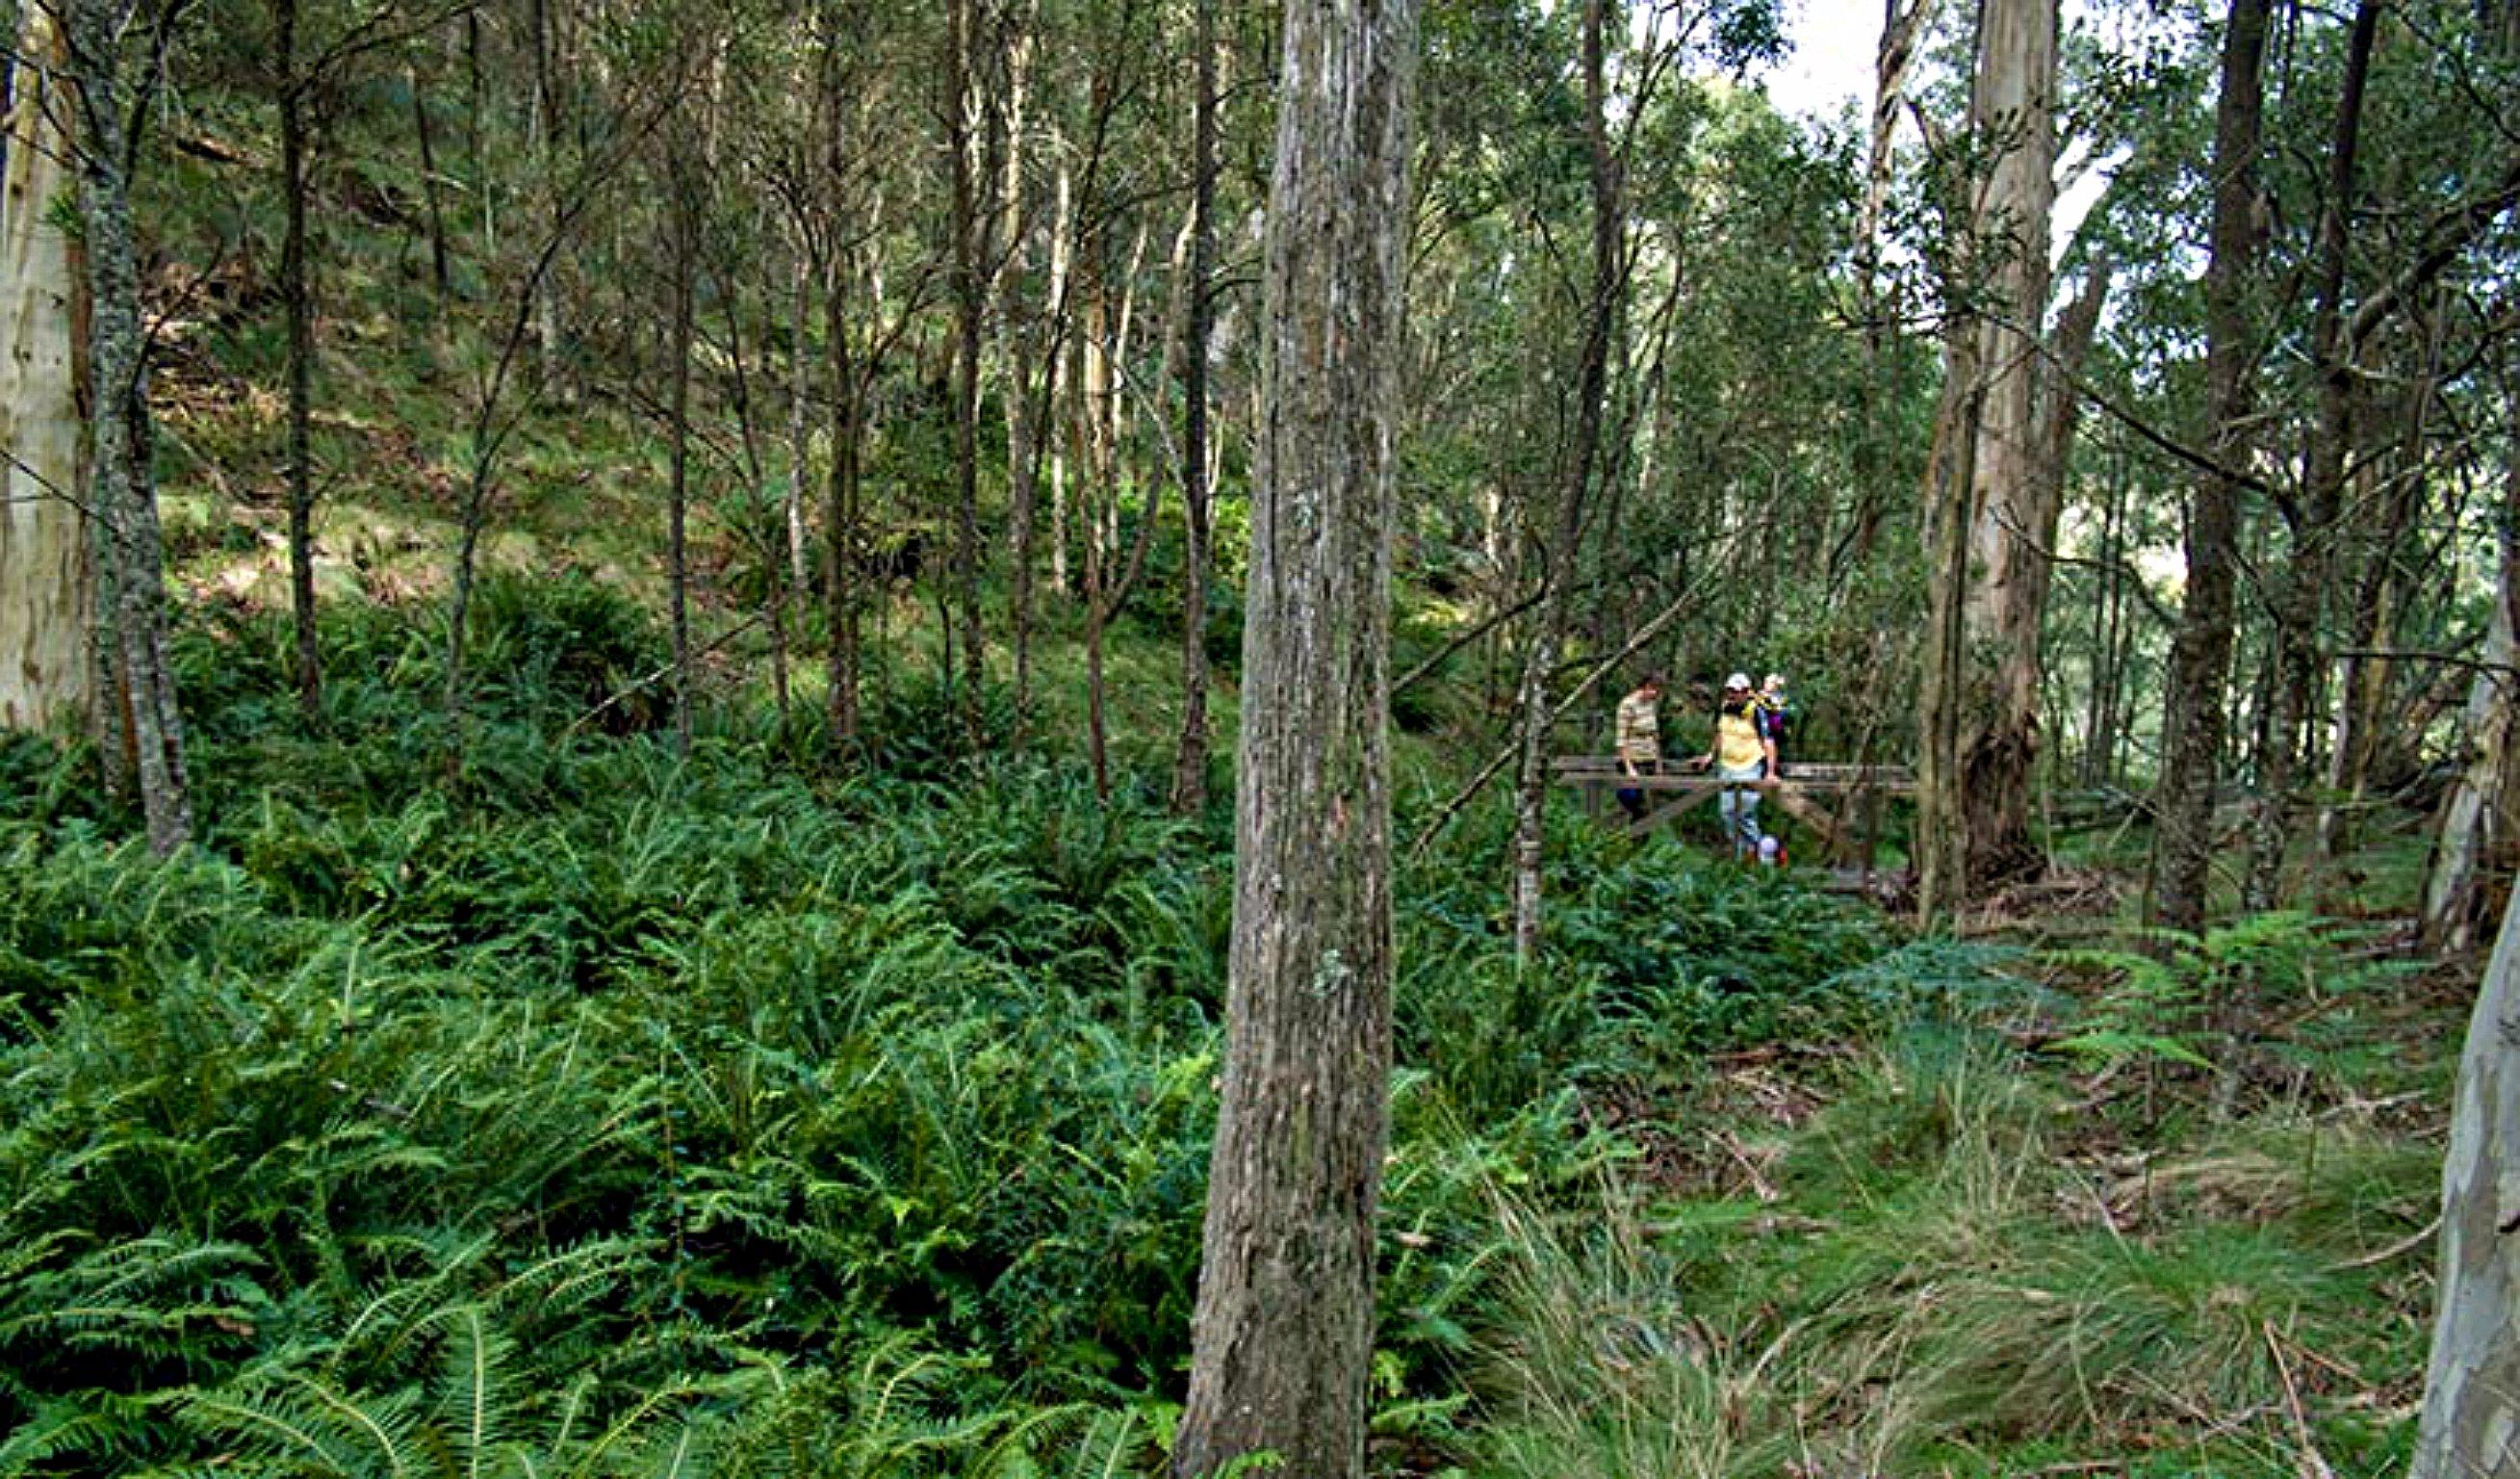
[651, 679]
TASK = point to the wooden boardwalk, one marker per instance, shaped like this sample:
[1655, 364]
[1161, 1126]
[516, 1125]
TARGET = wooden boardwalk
[1794, 791]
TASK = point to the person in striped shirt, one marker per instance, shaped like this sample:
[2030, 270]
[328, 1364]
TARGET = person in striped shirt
[1640, 741]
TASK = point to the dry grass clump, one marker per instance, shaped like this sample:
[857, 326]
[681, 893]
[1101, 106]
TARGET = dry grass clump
[1933, 1286]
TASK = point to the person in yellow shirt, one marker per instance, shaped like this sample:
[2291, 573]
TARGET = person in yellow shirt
[1744, 757]
[1640, 741]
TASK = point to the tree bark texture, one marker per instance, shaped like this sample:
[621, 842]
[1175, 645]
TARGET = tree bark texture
[2194, 707]
[2471, 1412]
[1190, 756]
[121, 492]
[46, 598]
[2300, 599]
[1284, 1333]
[297, 297]
[841, 494]
[2015, 490]
[963, 110]
[682, 171]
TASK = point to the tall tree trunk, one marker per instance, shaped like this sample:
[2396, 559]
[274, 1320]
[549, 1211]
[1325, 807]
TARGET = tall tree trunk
[1558, 558]
[1991, 682]
[297, 297]
[121, 490]
[1940, 850]
[2480, 820]
[2198, 696]
[2108, 608]
[1893, 56]
[433, 189]
[2300, 598]
[969, 289]
[2470, 1424]
[46, 594]
[841, 571]
[801, 393]
[1284, 1334]
[542, 124]
[1190, 756]
[678, 565]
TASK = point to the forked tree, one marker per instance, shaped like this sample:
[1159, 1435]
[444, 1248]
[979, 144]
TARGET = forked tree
[1284, 1332]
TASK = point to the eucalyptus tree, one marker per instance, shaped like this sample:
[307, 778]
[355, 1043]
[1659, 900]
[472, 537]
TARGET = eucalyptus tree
[46, 669]
[1987, 501]
[2470, 1420]
[1282, 1337]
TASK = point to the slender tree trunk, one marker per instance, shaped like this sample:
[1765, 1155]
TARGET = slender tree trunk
[2195, 706]
[297, 297]
[121, 492]
[678, 566]
[1063, 254]
[2099, 720]
[1558, 559]
[47, 596]
[1940, 850]
[2301, 595]
[801, 393]
[969, 289]
[840, 572]
[1284, 1334]
[542, 123]
[433, 189]
[1189, 758]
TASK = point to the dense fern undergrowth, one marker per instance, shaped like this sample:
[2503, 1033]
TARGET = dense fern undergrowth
[570, 1109]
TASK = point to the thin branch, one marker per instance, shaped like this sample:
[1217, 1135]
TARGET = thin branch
[1491, 623]
[651, 679]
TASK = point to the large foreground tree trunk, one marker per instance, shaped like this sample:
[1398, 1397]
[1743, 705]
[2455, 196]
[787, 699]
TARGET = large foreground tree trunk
[2471, 1412]
[1284, 1333]
[45, 599]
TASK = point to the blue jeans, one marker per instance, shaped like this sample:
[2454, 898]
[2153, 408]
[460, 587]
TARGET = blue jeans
[1738, 804]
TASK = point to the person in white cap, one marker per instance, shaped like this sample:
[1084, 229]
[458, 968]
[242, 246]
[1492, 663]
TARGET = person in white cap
[1744, 757]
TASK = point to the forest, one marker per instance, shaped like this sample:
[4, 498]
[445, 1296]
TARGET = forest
[1005, 738]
